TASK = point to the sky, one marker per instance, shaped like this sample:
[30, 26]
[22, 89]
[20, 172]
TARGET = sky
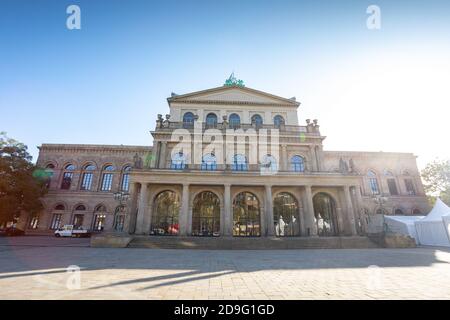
[371, 90]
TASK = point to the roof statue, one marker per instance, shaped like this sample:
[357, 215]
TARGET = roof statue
[232, 81]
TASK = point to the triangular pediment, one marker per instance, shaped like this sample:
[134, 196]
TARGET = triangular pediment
[233, 94]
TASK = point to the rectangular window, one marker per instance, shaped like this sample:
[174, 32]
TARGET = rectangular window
[56, 221]
[373, 182]
[125, 182]
[78, 220]
[86, 182]
[107, 182]
[34, 222]
[67, 180]
[99, 222]
[410, 189]
[392, 187]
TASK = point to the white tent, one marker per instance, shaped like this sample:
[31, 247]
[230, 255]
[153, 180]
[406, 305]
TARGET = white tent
[403, 225]
[431, 230]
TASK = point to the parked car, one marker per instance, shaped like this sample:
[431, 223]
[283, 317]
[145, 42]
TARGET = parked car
[70, 230]
[11, 232]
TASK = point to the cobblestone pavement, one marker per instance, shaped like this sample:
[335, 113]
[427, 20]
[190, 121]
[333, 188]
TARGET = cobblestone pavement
[37, 269]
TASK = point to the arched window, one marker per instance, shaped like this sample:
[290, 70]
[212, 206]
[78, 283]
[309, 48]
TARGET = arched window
[119, 218]
[235, 121]
[297, 164]
[211, 120]
[209, 162]
[188, 120]
[107, 178]
[60, 207]
[269, 163]
[206, 215]
[373, 182]
[417, 212]
[278, 121]
[125, 185]
[398, 212]
[80, 208]
[325, 215]
[257, 121]
[166, 209]
[239, 163]
[67, 177]
[246, 215]
[178, 161]
[285, 215]
[86, 180]
[99, 218]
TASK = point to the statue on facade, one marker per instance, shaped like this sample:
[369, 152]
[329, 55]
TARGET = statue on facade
[352, 166]
[159, 121]
[166, 122]
[343, 166]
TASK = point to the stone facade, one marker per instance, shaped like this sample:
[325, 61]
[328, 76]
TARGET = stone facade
[182, 187]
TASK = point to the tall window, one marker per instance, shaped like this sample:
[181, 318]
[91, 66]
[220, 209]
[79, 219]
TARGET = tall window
[235, 121]
[278, 121]
[67, 177]
[78, 217]
[34, 222]
[257, 121]
[188, 120]
[410, 189]
[373, 183]
[239, 163]
[49, 170]
[86, 181]
[297, 164]
[107, 178]
[56, 221]
[211, 120]
[165, 214]
[206, 215]
[246, 215]
[178, 161]
[99, 218]
[209, 162]
[125, 185]
[285, 215]
[392, 186]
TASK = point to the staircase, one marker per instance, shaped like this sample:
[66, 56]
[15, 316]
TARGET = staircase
[236, 243]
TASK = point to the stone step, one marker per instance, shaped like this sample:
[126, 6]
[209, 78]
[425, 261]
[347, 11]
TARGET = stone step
[235, 243]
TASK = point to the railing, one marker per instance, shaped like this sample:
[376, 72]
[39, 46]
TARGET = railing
[245, 126]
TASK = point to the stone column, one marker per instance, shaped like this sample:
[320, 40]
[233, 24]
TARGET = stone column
[130, 221]
[284, 162]
[228, 215]
[142, 209]
[359, 209]
[162, 156]
[309, 218]
[269, 212]
[350, 210]
[183, 220]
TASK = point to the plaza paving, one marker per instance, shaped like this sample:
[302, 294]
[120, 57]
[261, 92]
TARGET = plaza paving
[36, 268]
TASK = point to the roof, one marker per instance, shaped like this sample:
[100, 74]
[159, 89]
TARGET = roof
[210, 95]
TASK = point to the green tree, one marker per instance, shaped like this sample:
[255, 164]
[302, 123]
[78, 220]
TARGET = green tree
[436, 177]
[21, 182]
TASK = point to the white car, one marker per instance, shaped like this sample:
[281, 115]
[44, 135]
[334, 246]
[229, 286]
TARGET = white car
[69, 230]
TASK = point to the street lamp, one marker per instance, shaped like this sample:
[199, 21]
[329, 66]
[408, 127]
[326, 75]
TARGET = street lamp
[120, 215]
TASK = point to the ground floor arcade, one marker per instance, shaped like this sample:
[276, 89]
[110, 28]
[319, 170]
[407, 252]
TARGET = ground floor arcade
[248, 209]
